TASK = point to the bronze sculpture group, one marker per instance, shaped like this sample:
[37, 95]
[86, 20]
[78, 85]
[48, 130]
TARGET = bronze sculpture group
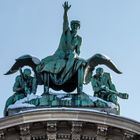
[64, 70]
[104, 88]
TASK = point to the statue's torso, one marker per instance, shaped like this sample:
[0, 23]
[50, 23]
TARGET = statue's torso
[64, 56]
[68, 44]
[102, 80]
[20, 83]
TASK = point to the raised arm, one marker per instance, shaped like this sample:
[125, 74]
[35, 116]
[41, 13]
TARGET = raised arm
[65, 18]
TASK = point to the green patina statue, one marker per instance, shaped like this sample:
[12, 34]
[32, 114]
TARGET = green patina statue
[64, 63]
[104, 88]
[64, 70]
[24, 85]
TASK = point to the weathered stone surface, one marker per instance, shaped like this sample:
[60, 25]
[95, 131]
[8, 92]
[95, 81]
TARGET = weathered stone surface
[101, 132]
[2, 135]
[76, 130]
[68, 124]
[25, 132]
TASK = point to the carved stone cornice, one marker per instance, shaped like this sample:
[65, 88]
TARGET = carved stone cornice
[69, 114]
[68, 124]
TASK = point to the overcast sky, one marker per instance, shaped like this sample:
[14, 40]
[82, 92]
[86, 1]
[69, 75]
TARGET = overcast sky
[110, 27]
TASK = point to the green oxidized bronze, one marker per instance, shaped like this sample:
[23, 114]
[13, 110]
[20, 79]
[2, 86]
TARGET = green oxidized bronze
[104, 88]
[64, 62]
[64, 70]
[24, 85]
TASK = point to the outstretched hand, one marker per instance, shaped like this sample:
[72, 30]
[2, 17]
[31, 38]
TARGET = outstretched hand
[66, 6]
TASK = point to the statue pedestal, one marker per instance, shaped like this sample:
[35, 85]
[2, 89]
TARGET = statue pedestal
[62, 100]
[30, 109]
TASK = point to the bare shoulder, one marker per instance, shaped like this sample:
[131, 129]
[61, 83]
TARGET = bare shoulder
[107, 75]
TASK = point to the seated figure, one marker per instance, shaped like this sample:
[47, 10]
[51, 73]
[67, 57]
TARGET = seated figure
[104, 88]
[24, 84]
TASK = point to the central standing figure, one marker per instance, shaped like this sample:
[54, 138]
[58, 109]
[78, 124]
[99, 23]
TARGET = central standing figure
[64, 67]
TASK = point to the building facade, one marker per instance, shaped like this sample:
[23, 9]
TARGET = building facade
[68, 124]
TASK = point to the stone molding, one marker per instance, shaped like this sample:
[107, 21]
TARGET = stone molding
[66, 114]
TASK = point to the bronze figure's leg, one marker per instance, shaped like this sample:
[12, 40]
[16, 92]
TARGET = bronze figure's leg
[46, 82]
[80, 79]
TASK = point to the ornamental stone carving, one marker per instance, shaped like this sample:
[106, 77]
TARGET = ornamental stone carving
[25, 132]
[76, 130]
[2, 135]
[51, 130]
[101, 132]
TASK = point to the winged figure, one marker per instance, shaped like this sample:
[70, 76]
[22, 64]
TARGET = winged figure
[70, 83]
[64, 70]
